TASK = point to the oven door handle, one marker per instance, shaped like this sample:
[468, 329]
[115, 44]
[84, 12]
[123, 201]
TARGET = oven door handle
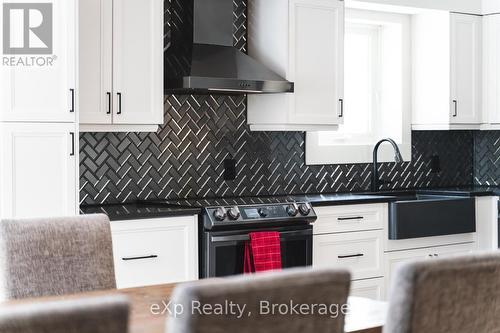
[219, 239]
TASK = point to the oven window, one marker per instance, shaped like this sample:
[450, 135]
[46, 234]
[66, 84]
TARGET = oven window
[229, 257]
[294, 253]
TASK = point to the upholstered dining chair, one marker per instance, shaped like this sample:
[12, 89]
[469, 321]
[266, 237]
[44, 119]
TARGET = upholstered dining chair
[105, 314]
[258, 294]
[55, 256]
[459, 295]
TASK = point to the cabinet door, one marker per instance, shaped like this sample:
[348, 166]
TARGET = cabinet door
[138, 61]
[316, 61]
[392, 259]
[491, 68]
[156, 251]
[466, 48]
[39, 83]
[95, 61]
[38, 170]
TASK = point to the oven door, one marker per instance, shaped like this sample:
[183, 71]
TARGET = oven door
[224, 250]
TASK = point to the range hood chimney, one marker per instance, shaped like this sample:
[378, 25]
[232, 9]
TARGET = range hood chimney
[200, 56]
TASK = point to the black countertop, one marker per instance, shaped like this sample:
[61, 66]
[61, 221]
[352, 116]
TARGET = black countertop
[134, 211]
[169, 208]
[468, 191]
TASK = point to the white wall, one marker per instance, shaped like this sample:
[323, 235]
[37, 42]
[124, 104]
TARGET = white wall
[491, 6]
[464, 6]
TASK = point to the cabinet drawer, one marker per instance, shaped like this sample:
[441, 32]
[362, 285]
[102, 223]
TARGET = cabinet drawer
[370, 288]
[360, 252]
[350, 218]
[157, 251]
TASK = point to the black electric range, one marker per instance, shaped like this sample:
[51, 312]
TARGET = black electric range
[225, 225]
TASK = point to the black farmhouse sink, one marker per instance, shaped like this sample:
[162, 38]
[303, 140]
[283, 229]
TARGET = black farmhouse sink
[415, 216]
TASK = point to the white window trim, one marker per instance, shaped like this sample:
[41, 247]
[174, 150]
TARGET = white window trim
[317, 154]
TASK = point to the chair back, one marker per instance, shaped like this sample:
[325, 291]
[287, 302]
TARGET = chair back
[291, 301]
[55, 256]
[107, 314]
[459, 295]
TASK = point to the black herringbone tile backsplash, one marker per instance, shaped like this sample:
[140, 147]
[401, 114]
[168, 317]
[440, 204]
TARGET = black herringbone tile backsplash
[487, 158]
[184, 159]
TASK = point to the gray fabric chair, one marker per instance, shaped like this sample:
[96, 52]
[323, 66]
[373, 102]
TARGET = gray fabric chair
[459, 295]
[85, 315]
[55, 256]
[300, 286]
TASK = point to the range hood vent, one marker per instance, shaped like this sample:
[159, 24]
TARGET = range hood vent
[200, 56]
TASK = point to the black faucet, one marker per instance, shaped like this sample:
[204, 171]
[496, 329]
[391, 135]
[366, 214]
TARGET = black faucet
[376, 182]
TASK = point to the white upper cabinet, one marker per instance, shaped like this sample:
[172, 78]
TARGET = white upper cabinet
[38, 163]
[491, 71]
[466, 68]
[301, 40]
[95, 61]
[447, 69]
[39, 82]
[138, 61]
[121, 65]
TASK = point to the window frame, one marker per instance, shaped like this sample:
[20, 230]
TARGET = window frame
[320, 154]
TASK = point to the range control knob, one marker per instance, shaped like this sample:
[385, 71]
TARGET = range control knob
[220, 214]
[304, 209]
[233, 213]
[263, 212]
[292, 210]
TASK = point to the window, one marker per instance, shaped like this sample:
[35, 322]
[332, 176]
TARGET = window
[377, 97]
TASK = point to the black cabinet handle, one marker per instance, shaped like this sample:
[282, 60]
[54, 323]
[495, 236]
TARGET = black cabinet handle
[119, 103]
[350, 218]
[341, 108]
[456, 108]
[72, 100]
[72, 144]
[109, 103]
[352, 256]
[140, 258]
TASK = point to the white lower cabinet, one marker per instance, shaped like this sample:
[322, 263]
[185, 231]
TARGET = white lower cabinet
[355, 237]
[155, 251]
[351, 237]
[348, 218]
[369, 288]
[38, 163]
[393, 259]
[360, 252]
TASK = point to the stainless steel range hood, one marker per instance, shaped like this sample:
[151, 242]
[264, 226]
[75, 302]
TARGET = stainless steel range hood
[200, 56]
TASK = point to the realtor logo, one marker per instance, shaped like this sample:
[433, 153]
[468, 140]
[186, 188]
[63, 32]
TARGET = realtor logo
[27, 28]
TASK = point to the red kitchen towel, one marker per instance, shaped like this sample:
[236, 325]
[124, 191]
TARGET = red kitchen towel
[262, 252]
